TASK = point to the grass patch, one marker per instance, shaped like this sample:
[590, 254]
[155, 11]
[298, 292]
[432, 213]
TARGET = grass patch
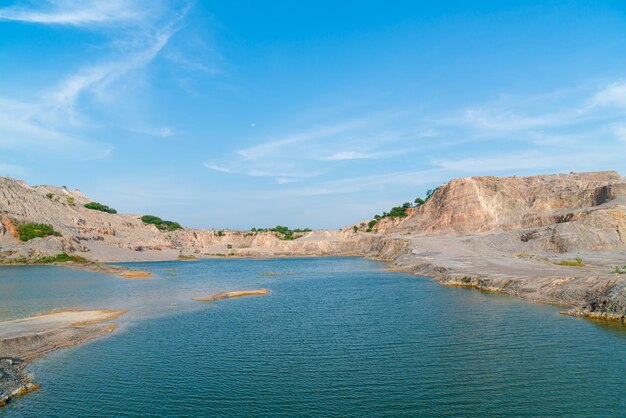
[524, 255]
[59, 258]
[578, 262]
[32, 231]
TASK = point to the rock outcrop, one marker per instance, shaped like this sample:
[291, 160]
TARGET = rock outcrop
[487, 204]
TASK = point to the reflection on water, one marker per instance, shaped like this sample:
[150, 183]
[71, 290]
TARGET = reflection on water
[336, 337]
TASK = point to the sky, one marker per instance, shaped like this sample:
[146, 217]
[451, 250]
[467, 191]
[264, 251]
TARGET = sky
[224, 114]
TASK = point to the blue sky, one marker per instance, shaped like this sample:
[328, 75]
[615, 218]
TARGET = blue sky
[311, 114]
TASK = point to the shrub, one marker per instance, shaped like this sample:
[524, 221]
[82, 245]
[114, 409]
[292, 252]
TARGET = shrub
[62, 258]
[100, 207]
[31, 231]
[70, 201]
[160, 223]
[50, 195]
[419, 201]
[371, 223]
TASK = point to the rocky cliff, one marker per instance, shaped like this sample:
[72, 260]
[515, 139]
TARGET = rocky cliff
[491, 233]
[102, 236]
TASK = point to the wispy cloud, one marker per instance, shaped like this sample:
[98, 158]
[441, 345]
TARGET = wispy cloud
[75, 13]
[22, 129]
[348, 155]
[97, 78]
[311, 135]
[555, 132]
[311, 152]
[138, 31]
[613, 94]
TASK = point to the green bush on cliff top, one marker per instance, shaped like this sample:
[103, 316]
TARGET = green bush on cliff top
[160, 223]
[100, 207]
[31, 231]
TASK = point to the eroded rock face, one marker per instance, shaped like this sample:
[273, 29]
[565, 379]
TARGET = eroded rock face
[557, 213]
[483, 204]
[553, 213]
[7, 228]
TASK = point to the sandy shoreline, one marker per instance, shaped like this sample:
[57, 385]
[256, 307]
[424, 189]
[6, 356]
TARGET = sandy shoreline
[26, 339]
[233, 294]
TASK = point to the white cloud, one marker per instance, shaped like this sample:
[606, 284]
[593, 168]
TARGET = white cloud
[612, 95]
[348, 155]
[21, 129]
[218, 168]
[76, 13]
[97, 78]
[55, 119]
[315, 134]
[284, 180]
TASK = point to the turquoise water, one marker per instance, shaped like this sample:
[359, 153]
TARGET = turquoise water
[336, 337]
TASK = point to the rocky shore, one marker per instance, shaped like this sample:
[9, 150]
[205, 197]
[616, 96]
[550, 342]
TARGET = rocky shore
[13, 380]
[24, 340]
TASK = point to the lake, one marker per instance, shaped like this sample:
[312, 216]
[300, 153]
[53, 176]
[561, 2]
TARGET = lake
[335, 337]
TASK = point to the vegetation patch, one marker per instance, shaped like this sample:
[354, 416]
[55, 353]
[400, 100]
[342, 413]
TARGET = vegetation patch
[578, 262]
[59, 258]
[395, 212]
[283, 232]
[31, 231]
[620, 270]
[160, 223]
[186, 257]
[63, 258]
[70, 201]
[100, 207]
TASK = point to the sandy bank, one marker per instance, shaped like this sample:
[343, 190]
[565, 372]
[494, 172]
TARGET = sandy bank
[23, 340]
[233, 294]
